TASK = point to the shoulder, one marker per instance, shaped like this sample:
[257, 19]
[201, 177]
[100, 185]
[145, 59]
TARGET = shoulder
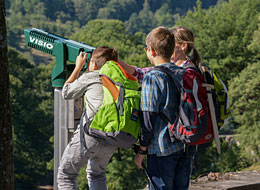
[164, 67]
[155, 78]
[172, 66]
[154, 75]
[91, 75]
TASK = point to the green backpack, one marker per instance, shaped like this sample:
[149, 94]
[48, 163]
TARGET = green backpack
[117, 121]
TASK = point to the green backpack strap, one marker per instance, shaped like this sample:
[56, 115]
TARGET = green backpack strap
[110, 84]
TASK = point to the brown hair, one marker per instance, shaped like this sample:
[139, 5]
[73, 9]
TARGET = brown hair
[162, 41]
[184, 34]
[103, 54]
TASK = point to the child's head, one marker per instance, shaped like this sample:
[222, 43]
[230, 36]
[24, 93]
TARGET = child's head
[103, 54]
[185, 35]
[162, 42]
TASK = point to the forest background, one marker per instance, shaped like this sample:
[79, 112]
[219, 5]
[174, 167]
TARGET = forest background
[227, 35]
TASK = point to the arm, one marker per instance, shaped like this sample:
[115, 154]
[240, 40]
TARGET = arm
[80, 61]
[147, 123]
[74, 89]
[149, 106]
[136, 71]
[129, 68]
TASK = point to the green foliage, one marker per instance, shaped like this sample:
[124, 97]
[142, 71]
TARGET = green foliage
[118, 9]
[31, 101]
[255, 45]
[164, 16]
[87, 10]
[144, 21]
[113, 33]
[229, 160]
[124, 174]
[245, 94]
[33, 7]
[159, 13]
[82, 179]
[65, 16]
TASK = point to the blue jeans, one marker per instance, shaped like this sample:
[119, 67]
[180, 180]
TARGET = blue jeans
[171, 172]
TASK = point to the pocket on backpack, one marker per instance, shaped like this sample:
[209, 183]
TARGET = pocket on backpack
[130, 121]
[187, 114]
[106, 119]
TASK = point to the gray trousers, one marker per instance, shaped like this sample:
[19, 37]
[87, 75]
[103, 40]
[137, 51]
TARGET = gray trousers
[97, 154]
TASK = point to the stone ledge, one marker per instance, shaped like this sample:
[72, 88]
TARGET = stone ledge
[248, 180]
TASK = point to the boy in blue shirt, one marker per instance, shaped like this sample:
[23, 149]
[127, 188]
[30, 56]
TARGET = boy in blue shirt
[168, 165]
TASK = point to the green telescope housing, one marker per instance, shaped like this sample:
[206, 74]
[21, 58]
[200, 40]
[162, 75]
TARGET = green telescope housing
[64, 49]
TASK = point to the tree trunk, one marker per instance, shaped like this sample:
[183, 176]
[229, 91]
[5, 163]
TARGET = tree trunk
[6, 143]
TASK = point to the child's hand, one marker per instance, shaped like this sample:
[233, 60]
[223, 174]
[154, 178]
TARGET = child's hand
[81, 60]
[139, 159]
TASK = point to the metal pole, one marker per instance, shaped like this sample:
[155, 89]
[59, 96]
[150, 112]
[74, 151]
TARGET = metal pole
[63, 125]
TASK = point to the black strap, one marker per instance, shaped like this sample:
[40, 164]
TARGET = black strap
[119, 156]
[121, 100]
[169, 73]
[82, 130]
[153, 184]
[190, 65]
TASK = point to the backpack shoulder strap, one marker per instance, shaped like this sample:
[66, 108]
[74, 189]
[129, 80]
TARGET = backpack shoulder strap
[169, 73]
[193, 67]
[110, 85]
[82, 130]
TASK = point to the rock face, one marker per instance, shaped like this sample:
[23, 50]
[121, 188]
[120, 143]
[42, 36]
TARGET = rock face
[248, 180]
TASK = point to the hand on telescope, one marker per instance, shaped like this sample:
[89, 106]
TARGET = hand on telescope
[80, 61]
